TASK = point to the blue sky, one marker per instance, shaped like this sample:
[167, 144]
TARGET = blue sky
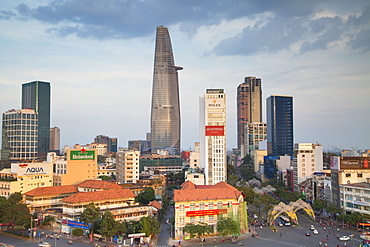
[98, 56]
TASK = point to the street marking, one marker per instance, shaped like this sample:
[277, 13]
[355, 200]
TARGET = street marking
[282, 242]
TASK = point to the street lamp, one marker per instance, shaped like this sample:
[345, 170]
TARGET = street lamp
[55, 239]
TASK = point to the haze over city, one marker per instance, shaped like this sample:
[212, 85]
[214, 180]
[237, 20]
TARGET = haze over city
[98, 57]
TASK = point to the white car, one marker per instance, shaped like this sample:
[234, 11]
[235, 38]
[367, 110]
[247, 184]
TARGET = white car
[44, 244]
[312, 227]
[281, 223]
[315, 232]
[344, 238]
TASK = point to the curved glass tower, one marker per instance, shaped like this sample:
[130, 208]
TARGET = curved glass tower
[165, 115]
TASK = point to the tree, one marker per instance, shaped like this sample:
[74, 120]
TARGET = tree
[249, 194]
[108, 226]
[133, 226]
[78, 232]
[228, 226]
[12, 210]
[149, 226]
[90, 214]
[48, 219]
[146, 196]
[199, 229]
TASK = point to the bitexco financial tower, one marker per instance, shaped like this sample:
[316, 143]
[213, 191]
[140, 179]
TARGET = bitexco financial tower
[165, 115]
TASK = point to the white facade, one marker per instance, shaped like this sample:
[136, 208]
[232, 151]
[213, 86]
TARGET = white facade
[309, 158]
[127, 166]
[355, 197]
[194, 159]
[257, 156]
[213, 136]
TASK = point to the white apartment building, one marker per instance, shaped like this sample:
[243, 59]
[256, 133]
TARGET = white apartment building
[308, 159]
[355, 197]
[213, 136]
[127, 166]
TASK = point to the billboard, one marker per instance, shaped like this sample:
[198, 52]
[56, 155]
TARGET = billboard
[215, 130]
[206, 212]
[32, 169]
[82, 154]
[78, 224]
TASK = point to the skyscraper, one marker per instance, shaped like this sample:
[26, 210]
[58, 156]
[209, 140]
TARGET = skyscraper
[249, 107]
[36, 96]
[213, 136]
[279, 125]
[165, 113]
[55, 139]
[19, 135]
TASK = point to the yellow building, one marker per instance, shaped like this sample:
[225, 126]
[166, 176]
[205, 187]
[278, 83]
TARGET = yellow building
[81, 165]
[206, 203]
[23, 177]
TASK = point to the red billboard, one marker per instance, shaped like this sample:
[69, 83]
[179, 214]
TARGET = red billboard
[215, 130]
[206, 212]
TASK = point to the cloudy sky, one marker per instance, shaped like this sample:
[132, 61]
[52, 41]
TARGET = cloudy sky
[98, 56]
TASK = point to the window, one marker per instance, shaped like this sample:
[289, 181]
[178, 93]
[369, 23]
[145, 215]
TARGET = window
[359, 175]
[348, 175]
[192, 219]
[201, 206]
[201, 219]
[219, 205]
[211, 218]
[182, 207]
[210, 205]
[192, 206]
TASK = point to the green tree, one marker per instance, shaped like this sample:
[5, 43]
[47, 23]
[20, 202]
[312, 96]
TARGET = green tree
[78, 232]
[108, 226]
[199, 229]
[89, 216]
[149, 226]
[48, 220]
[228, 226]
[318, 204]
[146, 196]
[249, 194]
[133, 226]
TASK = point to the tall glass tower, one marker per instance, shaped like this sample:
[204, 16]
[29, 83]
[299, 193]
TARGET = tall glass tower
[280, 125]
[165, 115]
[36, 96]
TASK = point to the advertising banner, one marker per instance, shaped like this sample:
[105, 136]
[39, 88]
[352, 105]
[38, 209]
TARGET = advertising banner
[82, 154]
[206, 212]
[215, 130]
[78, 224]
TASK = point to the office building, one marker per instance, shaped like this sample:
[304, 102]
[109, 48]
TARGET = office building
[249, 107]
[36, 96]
[19, 135]
[280, 125]
[255, 133]
[55, 139]
[127, 166]
[165, 123]
[213, 136]
[111, 142]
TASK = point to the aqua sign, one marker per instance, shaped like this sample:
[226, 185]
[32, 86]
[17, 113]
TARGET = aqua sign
[82, 155]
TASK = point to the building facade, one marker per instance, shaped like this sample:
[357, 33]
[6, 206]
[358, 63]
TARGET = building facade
[279, 125]
[19, 135]
[55, 139]
[355, 197]
[165, 124]
[36, 96]
[110, 142]
[213, 136]
[207, 204]
[127, 166]
[249, 106]
[254, 133]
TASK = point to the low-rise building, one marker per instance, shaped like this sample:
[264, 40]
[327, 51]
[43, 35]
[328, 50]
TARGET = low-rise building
[355, 197]
[206, 203]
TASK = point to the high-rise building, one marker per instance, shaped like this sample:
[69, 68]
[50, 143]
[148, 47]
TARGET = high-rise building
[111, 142]
[165, 123]
[213, 136]
[279, 125]
[249, 106]
[36, 96]
[19, 135]
[55, 139]
[254, 133]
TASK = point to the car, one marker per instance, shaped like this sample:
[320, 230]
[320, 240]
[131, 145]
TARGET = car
[344, 238]
[44, 244]
[255, 216]
[315, 232]
[308, 234]
[168, 221]
[312, 227]
[281, 223]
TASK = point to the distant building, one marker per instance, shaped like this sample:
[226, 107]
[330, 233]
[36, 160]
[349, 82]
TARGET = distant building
[163, 164]
[19, 135]
[55, 140]
[254, 133]
[36, 96]
[213, 136]
[165, 123]
[249, 107]
[138, 145]
[111, 142]
[279, 125]
[127, 166]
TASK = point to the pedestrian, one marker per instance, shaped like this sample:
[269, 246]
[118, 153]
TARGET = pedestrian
[214, 240]
[280, 235]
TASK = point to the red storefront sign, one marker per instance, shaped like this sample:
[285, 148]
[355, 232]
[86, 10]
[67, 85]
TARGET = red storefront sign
[366, 164]
[206, 212]
[215, 131]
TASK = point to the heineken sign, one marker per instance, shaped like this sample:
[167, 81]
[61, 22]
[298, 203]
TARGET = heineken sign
[82, 155]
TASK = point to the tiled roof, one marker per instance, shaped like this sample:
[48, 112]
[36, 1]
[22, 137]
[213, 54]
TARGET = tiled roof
[99, 195]
[99, 184]
[221, 190]
[155, 204]
[52, 190]
[188, 185]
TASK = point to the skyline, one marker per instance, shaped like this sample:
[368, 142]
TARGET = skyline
[99, 61]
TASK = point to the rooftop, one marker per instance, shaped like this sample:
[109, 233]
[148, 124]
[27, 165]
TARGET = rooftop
[52, 190]
[99, 195]
[99, 184]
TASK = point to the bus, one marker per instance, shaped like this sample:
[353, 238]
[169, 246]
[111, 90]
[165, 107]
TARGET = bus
[285, 220]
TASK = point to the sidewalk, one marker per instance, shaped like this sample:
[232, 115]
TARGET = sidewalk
[212, 240]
